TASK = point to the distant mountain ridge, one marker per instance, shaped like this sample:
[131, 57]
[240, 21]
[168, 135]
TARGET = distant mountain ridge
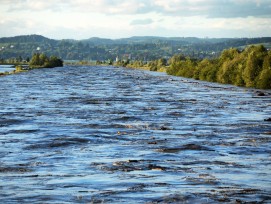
[137, 47]
[130, 40]
[155, 39]
[26, 39]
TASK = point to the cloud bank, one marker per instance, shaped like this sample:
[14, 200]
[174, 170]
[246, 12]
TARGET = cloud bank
[210, 8]
[175, 17]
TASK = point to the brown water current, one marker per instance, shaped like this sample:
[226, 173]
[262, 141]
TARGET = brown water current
[116, 135]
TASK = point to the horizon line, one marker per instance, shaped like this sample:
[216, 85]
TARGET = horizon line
[136, 36]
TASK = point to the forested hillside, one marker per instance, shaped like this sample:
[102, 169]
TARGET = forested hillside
[135, 48]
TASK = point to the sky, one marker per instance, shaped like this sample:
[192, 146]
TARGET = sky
[83, 19]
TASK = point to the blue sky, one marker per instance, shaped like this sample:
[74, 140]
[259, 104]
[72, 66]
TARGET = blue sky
[82, 19]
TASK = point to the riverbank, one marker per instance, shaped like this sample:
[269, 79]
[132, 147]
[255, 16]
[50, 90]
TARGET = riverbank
[19, 69]
[250, 67]
[12, 69]
[37, 61]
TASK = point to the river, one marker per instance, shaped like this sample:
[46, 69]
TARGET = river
[6, 68]
[116, 135]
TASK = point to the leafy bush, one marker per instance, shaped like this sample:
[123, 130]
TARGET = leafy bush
[41, 60]
[251, 67]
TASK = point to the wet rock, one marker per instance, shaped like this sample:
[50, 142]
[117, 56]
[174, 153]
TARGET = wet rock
[170, 150]
[59, 142]
[131, 165]
[152, 142]
[261, 93]
[204, 179]
[7, 122]
[268, 119]
[91, 101]
[164, 128]
[175, 198]
[132, 161]
[137, 187]
[23, 131]
[240, 195]
[193, 147]
[156, 167]
[14, 169]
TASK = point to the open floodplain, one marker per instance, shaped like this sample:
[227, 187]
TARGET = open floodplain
[116, 135]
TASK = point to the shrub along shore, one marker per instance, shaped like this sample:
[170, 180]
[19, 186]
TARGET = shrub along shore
[250, 67]
[37, 61]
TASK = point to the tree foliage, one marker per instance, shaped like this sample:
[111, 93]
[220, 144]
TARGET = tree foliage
[41, 60]
[250, 68]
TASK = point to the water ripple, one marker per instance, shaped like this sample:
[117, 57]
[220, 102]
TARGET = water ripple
[115, 135]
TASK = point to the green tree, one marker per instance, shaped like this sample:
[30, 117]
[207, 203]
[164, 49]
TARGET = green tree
[35, 60]
[41, 60]
[229, 54]
[264, 80]
[202, 70]
[161, 62]
[157, 64]
[53, 62]
[153, 66]
[252, 69]
[267, 62]
[175, 64]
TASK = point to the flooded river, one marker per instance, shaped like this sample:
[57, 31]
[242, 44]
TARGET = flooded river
[115, 135]
[6, 68]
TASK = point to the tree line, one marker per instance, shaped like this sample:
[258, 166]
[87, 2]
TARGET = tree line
[250, 67]
[42, 60]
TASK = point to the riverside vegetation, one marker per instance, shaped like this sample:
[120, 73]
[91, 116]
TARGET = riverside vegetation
[250, 67]
[42, 61]
[38, 60]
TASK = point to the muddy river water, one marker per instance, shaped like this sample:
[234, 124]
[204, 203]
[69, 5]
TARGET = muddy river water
[115, 135]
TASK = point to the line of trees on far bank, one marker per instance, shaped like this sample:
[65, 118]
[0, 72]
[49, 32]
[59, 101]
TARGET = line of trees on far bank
[250, 67]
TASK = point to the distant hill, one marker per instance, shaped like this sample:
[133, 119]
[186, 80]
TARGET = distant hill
[27, 39]
[98, 41]
[136, 48]
[153, 39]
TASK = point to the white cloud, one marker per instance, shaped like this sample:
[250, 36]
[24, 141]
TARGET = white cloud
[146, 21]
[214, 8]
[105, 18]
[211, 8]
